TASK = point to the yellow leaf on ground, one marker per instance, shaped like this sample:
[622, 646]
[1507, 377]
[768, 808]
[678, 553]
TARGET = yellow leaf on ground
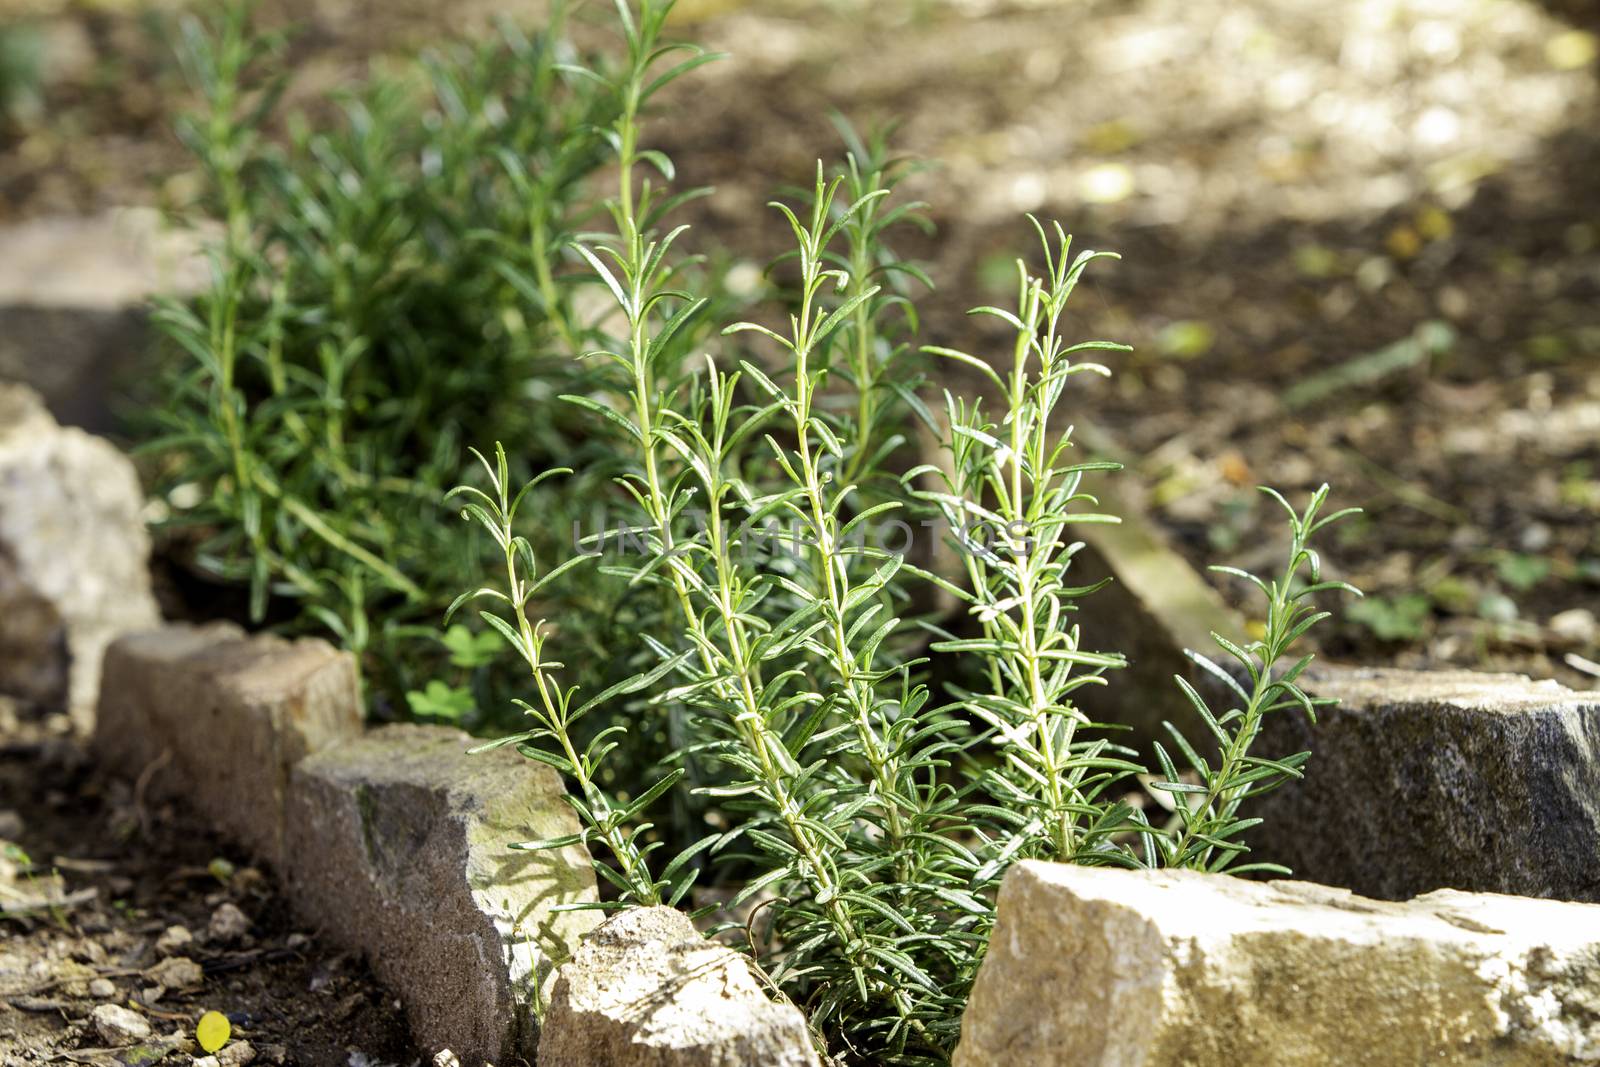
[213, 1031]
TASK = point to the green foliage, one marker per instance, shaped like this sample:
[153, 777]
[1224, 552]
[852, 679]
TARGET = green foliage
[1010, 493]
[604, 822]
[1400, 618]
[863, 817]
[766, 717]
[384, 280]
[1208, 826]
[1521, 571]
[440, 702]
[21, 52]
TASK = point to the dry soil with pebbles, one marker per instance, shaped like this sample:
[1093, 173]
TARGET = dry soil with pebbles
[122, 923]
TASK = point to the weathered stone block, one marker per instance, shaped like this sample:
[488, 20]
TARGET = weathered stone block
[74, 556]
[399, 844]
[229, 716]
[647, 990]
[1098, 967]
[1422, 780]
[73, 292]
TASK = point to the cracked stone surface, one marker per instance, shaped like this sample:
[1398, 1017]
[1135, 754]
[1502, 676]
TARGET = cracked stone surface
[647, 990]
[1137, 968]
[399, 844]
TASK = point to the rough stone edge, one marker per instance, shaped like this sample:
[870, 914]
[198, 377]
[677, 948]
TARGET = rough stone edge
[1167, 946]
[124, 744]
[325, 809]
[161, 749]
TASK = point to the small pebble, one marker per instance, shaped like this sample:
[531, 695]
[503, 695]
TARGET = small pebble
[297, 941]
[228, 924]
[10, 825]
[1576, 627]
[119, 1026]
[174, 941]
[88, 951]
[150, 994]
[204, 1061]
[237, 1054]
[177, 972]
[445, 1058]
[272, 1053]
[102, 989]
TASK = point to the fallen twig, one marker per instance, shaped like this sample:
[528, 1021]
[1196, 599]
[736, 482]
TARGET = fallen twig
[82, 866]
[142, 784]
[25, 905]
[108, 972]
[1579, 663]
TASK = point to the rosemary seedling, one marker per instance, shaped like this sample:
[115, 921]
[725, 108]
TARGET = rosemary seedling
[1208, 821]
[1010, 494]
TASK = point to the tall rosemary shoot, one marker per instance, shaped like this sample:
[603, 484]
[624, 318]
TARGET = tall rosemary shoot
[1009, 496]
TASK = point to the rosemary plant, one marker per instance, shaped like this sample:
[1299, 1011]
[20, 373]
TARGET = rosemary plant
[379, 282]
[879, 363]
[1010, 499]
[755, 725]
[617, 827]
[865, 818]
[760, 716]
[1208, 823]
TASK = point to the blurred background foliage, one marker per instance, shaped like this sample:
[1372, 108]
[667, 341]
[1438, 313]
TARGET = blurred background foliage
[1390, 204]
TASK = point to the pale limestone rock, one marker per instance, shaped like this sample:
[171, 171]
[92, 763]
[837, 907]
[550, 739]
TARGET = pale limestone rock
[73, 298]
[228, 924]
[116, 259]
[1100, 967]
[399, 846]
[177, 972]
[647, 990]
[74, 556]
[236, 1054]
[174, 941]
[118, 1026]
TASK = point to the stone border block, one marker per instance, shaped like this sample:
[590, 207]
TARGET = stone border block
[647, 990]
[1101, 967]
[1423, 780]
[220, 718]
[399, 845]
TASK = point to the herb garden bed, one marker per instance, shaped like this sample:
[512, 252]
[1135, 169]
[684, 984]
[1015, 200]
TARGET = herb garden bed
[398, 845]
[793, 663]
